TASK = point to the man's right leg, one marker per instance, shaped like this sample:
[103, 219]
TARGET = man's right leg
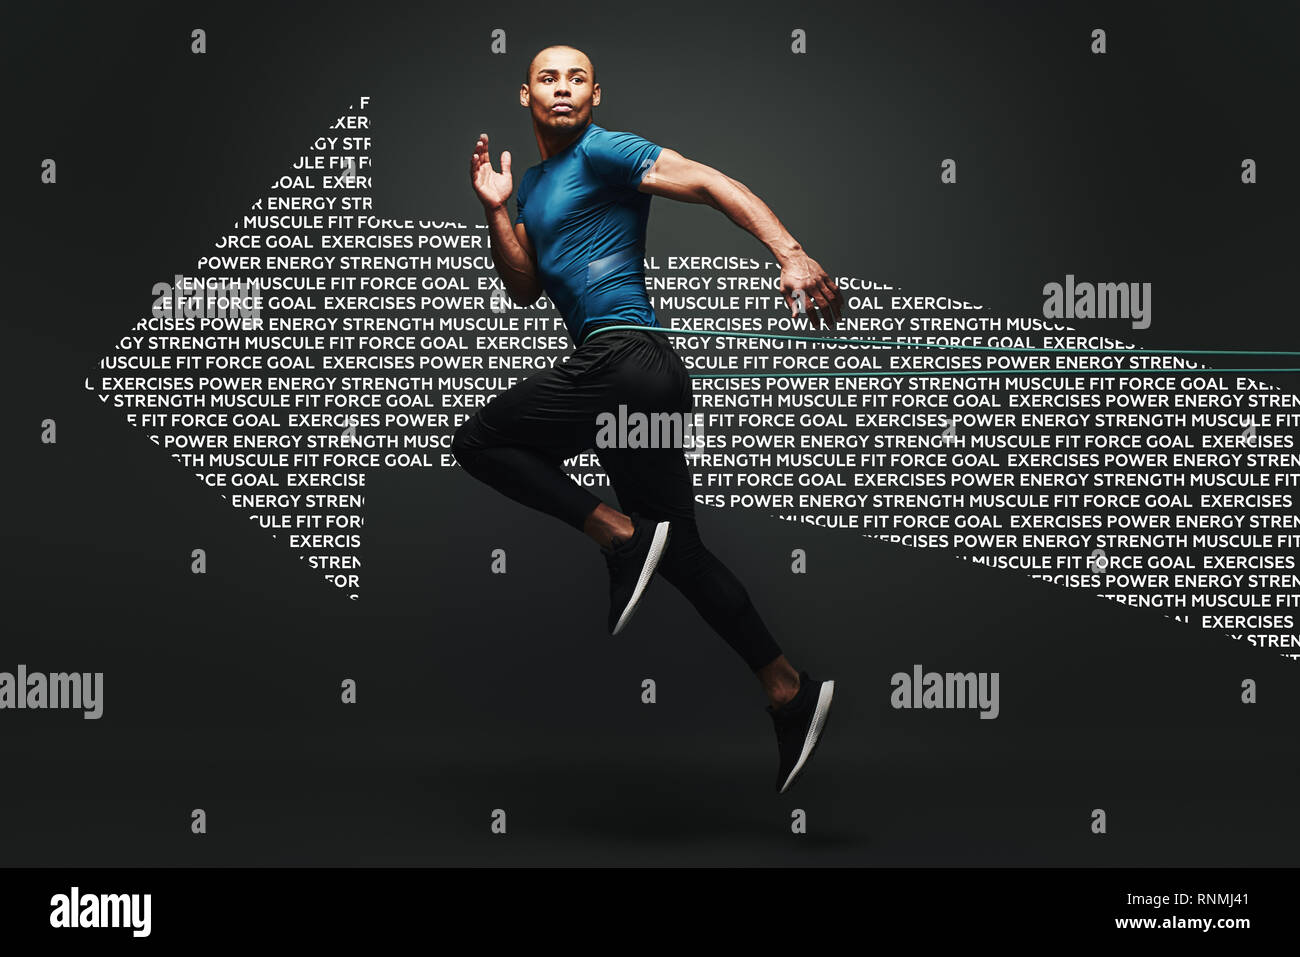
[518, 442]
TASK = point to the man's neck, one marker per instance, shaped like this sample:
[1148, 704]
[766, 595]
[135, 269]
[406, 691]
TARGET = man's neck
[548, 144]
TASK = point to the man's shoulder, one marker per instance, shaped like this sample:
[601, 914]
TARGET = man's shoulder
[530, 174]
[602, 142]
[599, 135]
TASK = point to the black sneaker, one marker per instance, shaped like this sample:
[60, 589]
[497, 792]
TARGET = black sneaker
[632, 564]
[799, 726]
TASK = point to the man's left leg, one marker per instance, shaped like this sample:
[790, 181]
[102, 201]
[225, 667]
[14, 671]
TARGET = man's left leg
[657, 483]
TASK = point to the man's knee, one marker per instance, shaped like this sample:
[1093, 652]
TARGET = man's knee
[465, 443]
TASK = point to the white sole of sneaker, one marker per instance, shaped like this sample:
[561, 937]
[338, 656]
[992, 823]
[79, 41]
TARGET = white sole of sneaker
[647, 572]
[814, 731]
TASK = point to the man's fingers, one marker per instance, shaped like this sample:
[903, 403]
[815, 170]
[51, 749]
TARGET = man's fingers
[822, 298]
[798, 303]
[831, 300]
[811, 305]
[823, 309]
[801, 301]
[815, 294]
[835, 291]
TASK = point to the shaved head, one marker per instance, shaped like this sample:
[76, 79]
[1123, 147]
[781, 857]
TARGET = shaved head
[560, 91]
[578, 59]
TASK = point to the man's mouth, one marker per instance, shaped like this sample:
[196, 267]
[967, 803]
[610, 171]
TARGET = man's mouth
[561, 108]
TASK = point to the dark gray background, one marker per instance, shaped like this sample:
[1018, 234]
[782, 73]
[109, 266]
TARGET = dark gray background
[480, 691]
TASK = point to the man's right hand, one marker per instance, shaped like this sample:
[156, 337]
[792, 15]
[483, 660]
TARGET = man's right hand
[493, 188]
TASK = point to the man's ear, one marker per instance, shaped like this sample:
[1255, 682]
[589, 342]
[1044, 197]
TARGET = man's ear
[523, 94]
[595, 94]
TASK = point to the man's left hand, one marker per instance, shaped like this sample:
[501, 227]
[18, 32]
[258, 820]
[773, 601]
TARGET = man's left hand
[805, 284]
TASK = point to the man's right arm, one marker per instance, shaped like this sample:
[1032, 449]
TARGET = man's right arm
[512, 254]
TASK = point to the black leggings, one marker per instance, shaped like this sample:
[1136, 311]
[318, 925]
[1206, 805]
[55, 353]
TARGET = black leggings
[518, 441]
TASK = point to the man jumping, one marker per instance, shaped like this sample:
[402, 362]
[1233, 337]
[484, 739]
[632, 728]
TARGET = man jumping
[579, 235]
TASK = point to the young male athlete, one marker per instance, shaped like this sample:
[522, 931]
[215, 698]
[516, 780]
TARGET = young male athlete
[579, 234]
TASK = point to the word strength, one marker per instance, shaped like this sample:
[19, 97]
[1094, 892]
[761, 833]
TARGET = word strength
[949, 690]
[84, 692]
[102, 910]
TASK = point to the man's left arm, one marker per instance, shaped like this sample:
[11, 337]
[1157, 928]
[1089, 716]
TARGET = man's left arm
[687, 181]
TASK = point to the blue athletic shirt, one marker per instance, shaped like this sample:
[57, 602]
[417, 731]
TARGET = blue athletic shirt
[587, 224]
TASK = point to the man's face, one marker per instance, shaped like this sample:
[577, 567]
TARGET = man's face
[559, 92]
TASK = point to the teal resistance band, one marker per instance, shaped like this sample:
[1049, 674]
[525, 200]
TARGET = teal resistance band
[962, 372]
